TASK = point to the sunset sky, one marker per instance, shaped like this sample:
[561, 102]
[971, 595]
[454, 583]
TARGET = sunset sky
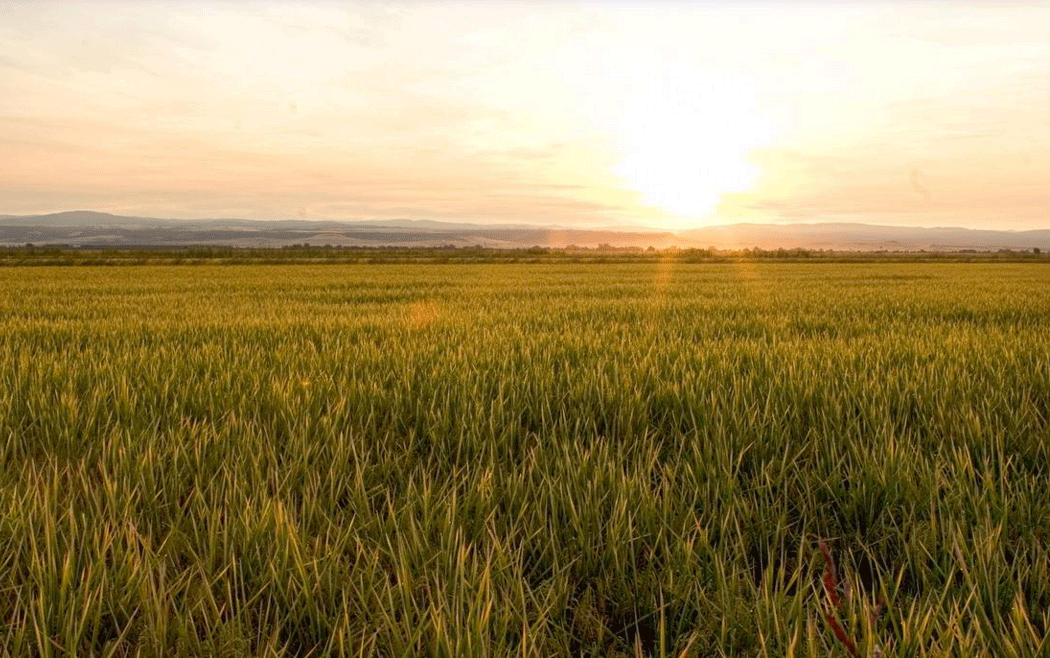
[614, 114]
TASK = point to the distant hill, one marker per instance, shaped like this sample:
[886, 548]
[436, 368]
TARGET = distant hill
[81, 218]
[866, 237]
[89, 228]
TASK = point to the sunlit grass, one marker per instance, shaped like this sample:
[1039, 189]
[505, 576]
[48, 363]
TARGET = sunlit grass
[533, 460]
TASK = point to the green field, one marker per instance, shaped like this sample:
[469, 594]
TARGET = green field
[525, 459]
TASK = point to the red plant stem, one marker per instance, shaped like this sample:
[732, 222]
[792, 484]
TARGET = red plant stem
[840, 633]
[831, 580]
[831, 585]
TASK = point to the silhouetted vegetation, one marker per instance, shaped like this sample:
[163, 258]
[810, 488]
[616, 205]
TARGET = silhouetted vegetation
[140, 255]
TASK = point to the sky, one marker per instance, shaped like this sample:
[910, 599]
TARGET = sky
[613, 114]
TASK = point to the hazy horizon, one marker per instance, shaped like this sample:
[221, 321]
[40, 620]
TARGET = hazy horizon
[660, 115]
[784, 223]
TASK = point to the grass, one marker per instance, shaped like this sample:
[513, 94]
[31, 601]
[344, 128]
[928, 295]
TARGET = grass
[526, 459]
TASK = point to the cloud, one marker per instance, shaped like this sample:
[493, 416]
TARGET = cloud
[584, 112]
[918, 183]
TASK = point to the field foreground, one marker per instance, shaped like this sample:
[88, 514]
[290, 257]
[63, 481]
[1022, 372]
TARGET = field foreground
[532, 459]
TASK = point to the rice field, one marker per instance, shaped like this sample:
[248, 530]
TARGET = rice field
[544, 459]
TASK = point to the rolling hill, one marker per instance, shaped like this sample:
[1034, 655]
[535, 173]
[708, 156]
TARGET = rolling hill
[89, 228]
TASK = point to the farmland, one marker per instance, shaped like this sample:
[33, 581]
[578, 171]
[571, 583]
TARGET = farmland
[528, 459]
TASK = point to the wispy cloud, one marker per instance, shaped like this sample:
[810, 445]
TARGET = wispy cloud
[590, 113]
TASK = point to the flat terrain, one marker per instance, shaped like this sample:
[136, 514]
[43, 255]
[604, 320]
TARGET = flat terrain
[525, 459]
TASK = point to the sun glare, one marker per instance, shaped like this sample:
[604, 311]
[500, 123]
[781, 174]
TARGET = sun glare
[684, 140]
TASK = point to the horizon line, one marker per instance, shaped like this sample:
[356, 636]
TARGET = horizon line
[626, 228]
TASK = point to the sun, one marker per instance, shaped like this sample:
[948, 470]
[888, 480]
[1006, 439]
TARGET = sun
[685, 140]
[683, 184]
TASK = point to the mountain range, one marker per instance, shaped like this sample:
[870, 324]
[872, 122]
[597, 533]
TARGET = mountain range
[88, 228]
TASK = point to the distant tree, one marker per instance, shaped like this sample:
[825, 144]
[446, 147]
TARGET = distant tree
[1035, 250]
